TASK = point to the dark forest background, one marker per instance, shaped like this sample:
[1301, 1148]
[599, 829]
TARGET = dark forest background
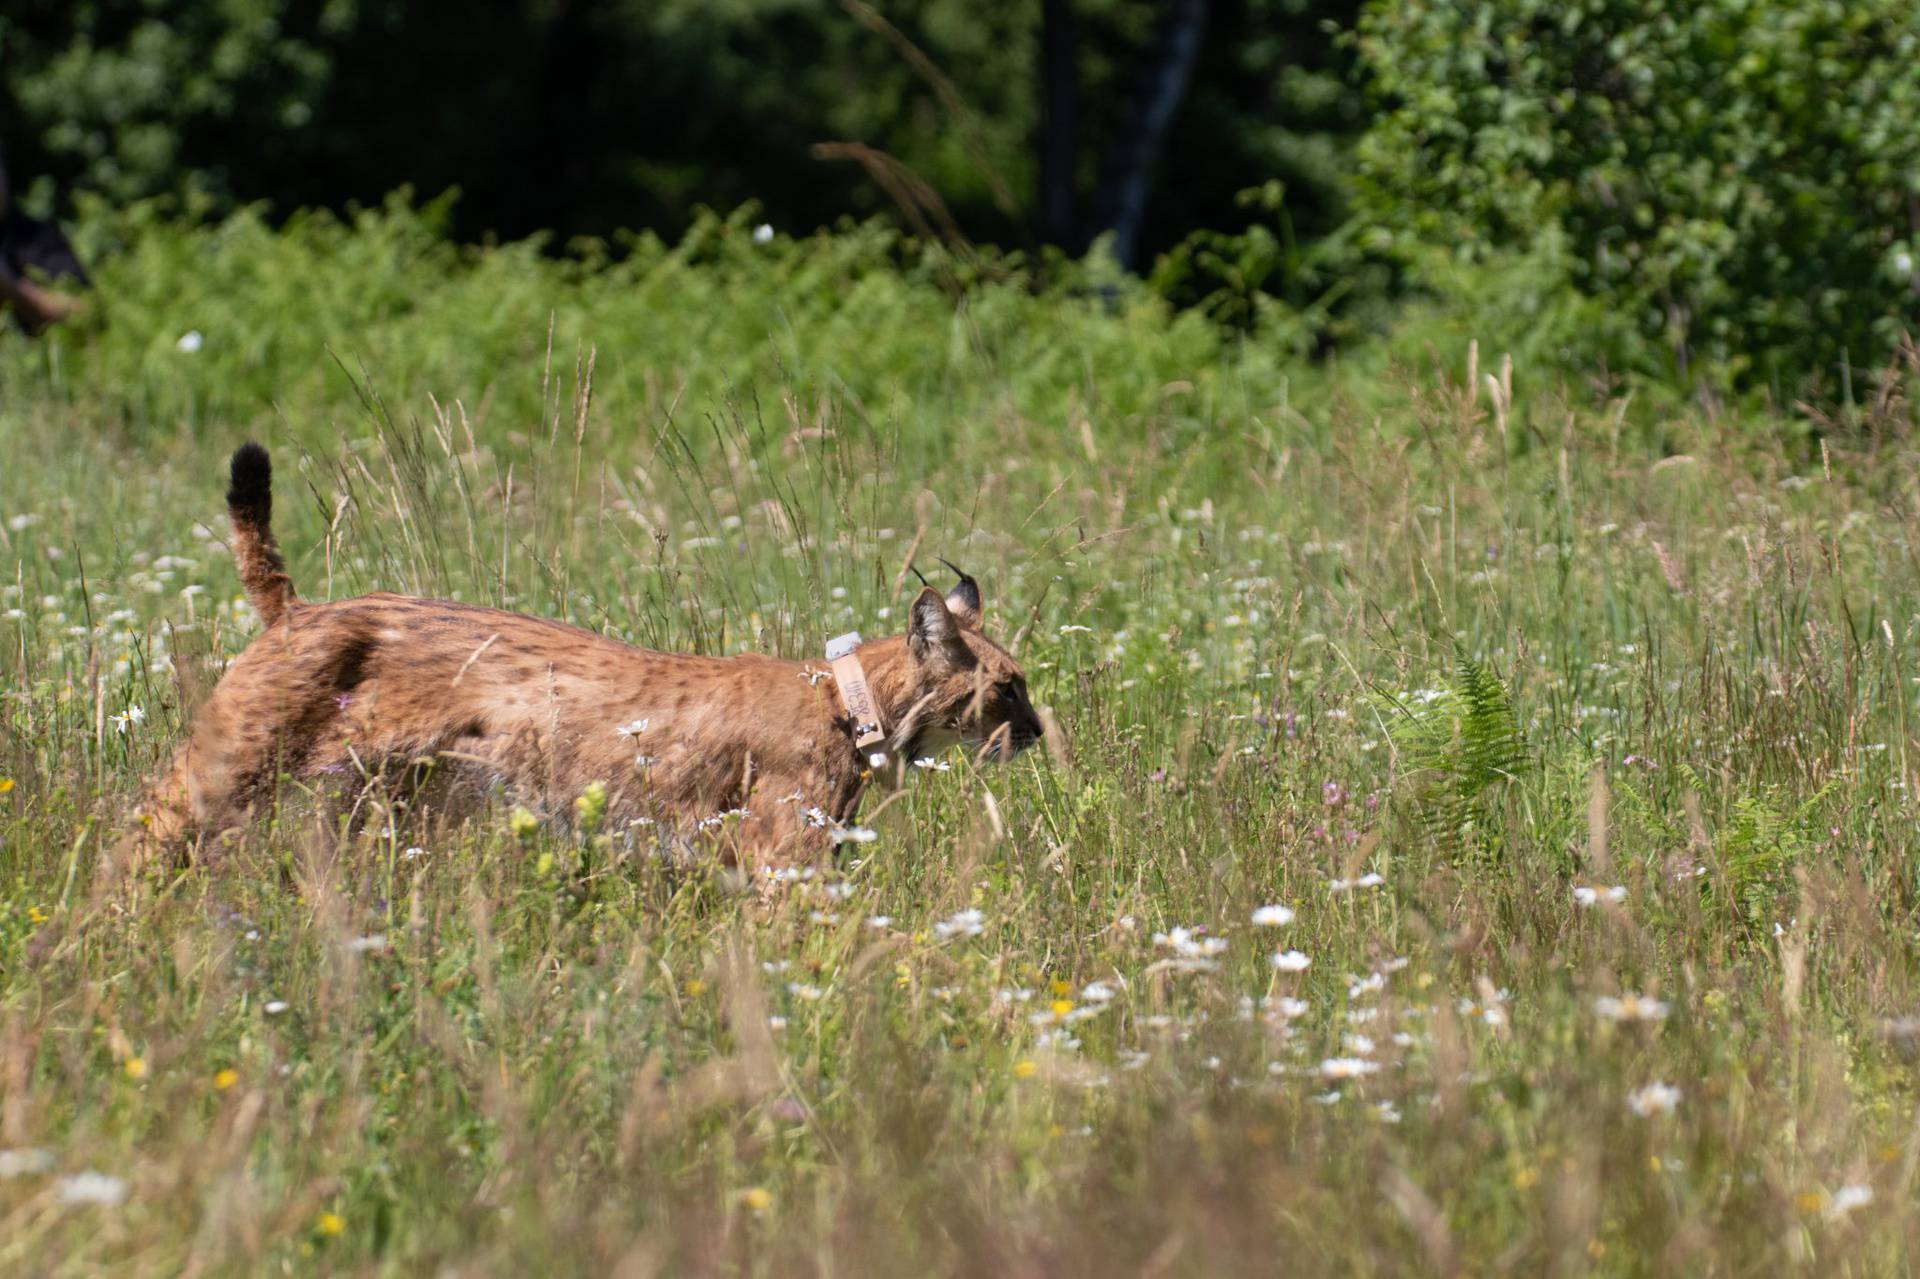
[1048, 122]
[1737, 185]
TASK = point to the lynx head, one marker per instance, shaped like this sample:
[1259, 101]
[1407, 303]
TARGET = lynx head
[962, 687]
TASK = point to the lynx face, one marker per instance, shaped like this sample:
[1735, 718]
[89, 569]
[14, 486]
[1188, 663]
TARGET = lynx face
[968, 689]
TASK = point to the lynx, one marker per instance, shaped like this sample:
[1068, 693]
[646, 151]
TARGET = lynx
[362, 688]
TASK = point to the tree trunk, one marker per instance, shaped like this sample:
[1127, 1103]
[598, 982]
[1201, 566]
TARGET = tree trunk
[1166, 74]
[1059, 123]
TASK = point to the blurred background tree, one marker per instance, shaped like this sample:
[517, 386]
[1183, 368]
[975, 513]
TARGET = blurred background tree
[1037, 121]
[1732, 188]
[1740, 181]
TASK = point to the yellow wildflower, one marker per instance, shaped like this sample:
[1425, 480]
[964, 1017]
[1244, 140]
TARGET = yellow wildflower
[757, 1198]
[225, 1079]
[1025, 1069]
[331, 1224]
[136, 1068]
[591, 806]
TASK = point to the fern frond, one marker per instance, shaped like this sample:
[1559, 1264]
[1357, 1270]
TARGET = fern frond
[1466, 745]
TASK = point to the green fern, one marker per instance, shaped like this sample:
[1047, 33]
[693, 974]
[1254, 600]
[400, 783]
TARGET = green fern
[1759, 844]
[1464, 747]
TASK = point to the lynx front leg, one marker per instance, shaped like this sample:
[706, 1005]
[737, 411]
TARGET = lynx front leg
[781, 836]
[163, 819]
[194, 797]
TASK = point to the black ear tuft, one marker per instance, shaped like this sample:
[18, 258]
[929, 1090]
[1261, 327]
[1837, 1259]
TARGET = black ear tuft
[933, 633]
[963, 601]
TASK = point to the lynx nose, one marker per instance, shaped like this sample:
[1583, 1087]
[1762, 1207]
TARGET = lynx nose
[1026, 733]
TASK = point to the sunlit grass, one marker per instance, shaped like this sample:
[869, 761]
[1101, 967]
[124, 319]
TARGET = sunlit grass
[1635, 994]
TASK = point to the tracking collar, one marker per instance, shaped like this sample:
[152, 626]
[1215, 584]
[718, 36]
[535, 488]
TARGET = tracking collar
[869, 734]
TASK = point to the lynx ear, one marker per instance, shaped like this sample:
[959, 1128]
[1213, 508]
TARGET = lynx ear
[963, 601]
[933, 633]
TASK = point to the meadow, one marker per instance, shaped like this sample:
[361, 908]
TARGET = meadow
[1479, 840]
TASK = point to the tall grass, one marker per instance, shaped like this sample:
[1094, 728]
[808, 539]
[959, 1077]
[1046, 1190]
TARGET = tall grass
[1576, 738]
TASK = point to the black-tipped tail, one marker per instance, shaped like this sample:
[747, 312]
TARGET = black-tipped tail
[250, 482]
[255, 552]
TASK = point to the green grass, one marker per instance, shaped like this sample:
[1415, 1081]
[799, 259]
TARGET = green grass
[1287, 618]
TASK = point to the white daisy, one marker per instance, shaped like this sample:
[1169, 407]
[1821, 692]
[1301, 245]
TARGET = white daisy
[1654, 1099]
[966, 923]
[1347, 1067]
[1847, 1198]
[1631, 1007]
[95, 1188]
[20, 1163]
[1191, 943]
[1371, 984]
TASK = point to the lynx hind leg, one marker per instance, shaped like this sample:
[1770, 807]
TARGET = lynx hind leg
[379, 793]
[258, 717]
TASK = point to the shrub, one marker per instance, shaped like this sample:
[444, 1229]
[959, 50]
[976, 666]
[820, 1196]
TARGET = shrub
[1741, 181]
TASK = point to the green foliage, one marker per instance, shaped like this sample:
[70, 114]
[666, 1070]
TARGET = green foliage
[1759, 849]
[1769, 834]
[589, 118]
[1307, 295]
[137, 98]
[1462, 745]
[389, 1038]
[288, 314]
[1737, 180]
